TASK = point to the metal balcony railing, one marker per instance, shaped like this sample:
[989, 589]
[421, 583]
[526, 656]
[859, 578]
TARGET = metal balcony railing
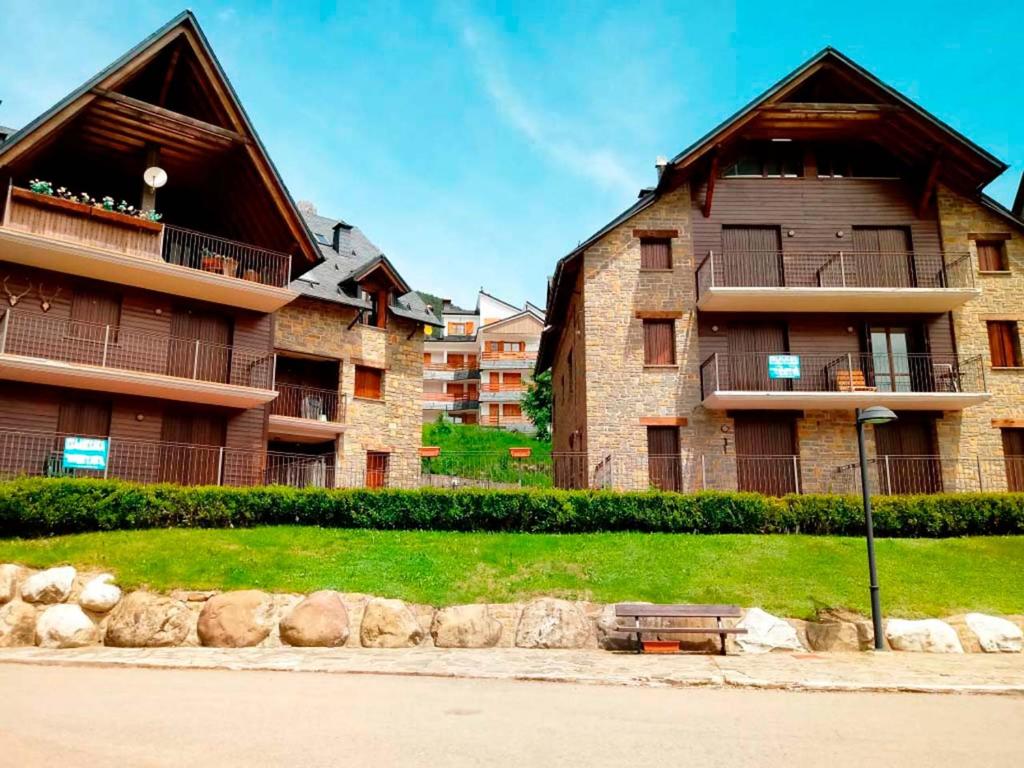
[314, 403]
[109, 346]
[895, 475]
[845, 372]
[219, 255]
[833, 269]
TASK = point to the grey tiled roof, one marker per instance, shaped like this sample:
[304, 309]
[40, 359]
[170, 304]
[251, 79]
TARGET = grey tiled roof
[5, 132]
[355, 251]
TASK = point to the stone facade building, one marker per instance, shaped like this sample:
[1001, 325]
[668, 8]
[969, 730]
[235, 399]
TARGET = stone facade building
[825, 249]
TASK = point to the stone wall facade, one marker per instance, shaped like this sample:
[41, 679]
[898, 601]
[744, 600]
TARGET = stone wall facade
[392, 425]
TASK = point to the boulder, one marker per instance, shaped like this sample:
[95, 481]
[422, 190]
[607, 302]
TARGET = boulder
[766, 633]
[389, 624]
[607, 637]
[833, 636]
[236, 619]
[927, 635]
[318, 621]
[10, 575]
[17, 624]
[99, 595]
[465, 626]
[862, 624]
[994, 634]
[551, 623]
[145, 620]
[50, 586]
[65, 626]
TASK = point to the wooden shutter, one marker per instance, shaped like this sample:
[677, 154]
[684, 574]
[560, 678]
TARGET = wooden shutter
[84, 418]
[749, 348]
[908, 455]
[1013, 453]
[991, 255]
[377, 469]
[765, 446]
[213, 333]
[883, 257]
[469, 329]
[659, 342]
[1002, 343]
[655, 253]
[512, 410]
[91, 310]
[368, 382]
[512, 381]
[752, 256]
[426, 358]
[664, 467]
[182, 461]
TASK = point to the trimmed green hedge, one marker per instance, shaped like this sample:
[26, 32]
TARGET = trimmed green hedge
[42, 507]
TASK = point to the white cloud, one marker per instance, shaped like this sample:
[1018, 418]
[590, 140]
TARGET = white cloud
[549, 133]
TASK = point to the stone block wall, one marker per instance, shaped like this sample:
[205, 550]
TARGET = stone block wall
[393, 424]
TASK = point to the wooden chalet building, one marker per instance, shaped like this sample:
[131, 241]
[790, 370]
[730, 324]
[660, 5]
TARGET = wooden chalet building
[826, 248]
[156, 331]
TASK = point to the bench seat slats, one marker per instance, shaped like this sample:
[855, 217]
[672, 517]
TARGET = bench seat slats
[681, 630]
[643, 610]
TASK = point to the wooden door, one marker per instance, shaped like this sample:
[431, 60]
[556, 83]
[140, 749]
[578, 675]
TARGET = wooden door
[200, 345]
[766, 451]
[752, 256]
[80, 418]
[883, 256]
[749, 348]
[1013, 456]
[377, 469]
[664, 462]
[908, 460]
[95, 321]
[189, 454]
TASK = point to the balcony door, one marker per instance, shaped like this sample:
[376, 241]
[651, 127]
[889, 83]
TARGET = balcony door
[896, 365]
[664, 462]
[190, 450]
[1013, 456]
[883, 257]
[200, 345]
[766, 444]
[81, 417]
[907, 454]
[750, 344]
[752, 256]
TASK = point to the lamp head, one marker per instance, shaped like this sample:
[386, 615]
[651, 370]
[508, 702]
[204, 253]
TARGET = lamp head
[876, 414]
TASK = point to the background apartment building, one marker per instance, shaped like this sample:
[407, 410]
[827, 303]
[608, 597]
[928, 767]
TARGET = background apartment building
[476, 369]
[825, 249]
[157, 335]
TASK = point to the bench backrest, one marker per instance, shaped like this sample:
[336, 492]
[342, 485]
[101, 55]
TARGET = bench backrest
[642, 610]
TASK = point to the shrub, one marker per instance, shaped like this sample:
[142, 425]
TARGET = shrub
[42, 507]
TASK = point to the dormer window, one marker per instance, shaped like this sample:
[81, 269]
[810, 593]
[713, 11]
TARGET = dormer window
[376, 315]
[767, 160]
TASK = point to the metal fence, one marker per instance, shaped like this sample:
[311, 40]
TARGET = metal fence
[845, 372]
[834, 269]
[897, 475]
[303, 402]
[109, 346]
[219, 255]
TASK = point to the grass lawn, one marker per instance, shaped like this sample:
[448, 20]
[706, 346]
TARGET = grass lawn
[791, 575]
[472, 451]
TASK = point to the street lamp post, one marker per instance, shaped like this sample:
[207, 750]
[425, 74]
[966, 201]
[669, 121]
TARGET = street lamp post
[876, 414]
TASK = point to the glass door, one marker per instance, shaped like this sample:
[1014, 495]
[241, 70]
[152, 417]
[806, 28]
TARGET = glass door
[890, 357]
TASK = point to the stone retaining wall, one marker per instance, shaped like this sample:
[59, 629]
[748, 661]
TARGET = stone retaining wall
[62, 608]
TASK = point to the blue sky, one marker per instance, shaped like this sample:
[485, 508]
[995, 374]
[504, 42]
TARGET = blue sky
[476, 143]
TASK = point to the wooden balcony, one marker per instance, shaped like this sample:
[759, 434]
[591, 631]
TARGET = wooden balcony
[839, 281]
[65, 236]
[841, 381]
[508, 360]
[502, 392]
[307, 414]
[40, 349]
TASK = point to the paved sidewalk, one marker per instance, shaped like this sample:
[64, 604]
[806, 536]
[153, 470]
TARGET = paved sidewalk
[912, 672]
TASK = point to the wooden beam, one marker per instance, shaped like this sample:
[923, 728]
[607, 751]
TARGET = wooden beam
[145, 109]
[162, 101]
[1008, 423]
[659, 233]
[663, 421]
[659, 314]
[929, 188]
[712, 176]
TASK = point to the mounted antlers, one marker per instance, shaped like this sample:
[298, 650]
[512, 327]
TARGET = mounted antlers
[45, 302]
[14, 298]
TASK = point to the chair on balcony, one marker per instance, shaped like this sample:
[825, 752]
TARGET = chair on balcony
[852, 381]
[946, 377]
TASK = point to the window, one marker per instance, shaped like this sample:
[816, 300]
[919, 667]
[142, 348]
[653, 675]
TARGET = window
[369, 382]
[659, 342]
[1013, 453]
[655, 253]
[377, 469]
[457, 329]
[376, 315]
[1004, 343]
[511, 411]
[836, 161]
[992, 256]
[768, 160]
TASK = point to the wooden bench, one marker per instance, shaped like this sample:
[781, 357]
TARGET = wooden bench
[640, 611]
[852, 381]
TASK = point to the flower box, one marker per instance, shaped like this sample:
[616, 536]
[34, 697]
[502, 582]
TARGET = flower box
[430, 451]
[82, 209]
[661, 646]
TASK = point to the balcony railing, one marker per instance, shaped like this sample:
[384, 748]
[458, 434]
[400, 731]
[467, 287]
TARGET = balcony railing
[218, 255]
[835, 269]
[504, 386]
[301, 402]
[523, 355]
[894, 475]
[109, 346]
[844, 372]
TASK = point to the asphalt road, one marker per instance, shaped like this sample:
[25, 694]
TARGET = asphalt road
[118, 717]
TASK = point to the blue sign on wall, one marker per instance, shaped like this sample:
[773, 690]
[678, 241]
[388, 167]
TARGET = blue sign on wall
[783, 366]
[85, 453]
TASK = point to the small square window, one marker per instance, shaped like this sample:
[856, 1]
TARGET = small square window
[1004, 343]
[992, 256]
[655, 253]
[369, 382]
[659, 342]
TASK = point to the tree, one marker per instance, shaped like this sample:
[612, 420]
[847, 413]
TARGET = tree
[537, 404]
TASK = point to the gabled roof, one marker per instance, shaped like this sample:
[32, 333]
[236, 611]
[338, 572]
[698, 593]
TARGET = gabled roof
[921, 134]
[482, 292]
[1018, 201]
[511, 318]
[184, 32]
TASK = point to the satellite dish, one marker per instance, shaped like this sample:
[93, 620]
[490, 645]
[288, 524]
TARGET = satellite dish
[155, 177]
